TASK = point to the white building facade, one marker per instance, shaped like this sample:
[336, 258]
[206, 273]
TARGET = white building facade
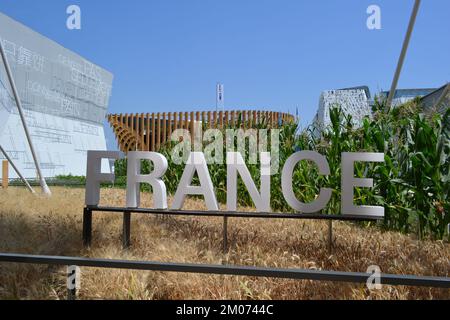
[353, 101]
[64, 97]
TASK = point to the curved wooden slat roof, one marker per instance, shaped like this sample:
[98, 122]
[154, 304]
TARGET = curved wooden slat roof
[147, 132]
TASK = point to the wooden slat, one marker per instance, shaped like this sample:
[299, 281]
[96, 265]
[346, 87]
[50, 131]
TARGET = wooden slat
[175, 121]
[186, 121]
[221, 119]
[191, 127]
[115, 128]
[121, 119]
[170, 123]
[136, 131]
[5, 173]
[147, 130]
[164, 128]
[141, 132]
[128, 121]
[203, 119]
[197, 129]
[210, 119]
[158, 132]
[153, 132]
[227, 119]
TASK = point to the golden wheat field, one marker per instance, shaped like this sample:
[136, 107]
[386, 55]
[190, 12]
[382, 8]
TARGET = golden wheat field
[37, 225]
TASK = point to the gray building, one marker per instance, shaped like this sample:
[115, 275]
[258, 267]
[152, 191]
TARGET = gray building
[404, 95]
[438, 100]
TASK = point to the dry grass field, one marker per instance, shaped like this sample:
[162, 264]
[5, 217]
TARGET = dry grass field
[37, 225]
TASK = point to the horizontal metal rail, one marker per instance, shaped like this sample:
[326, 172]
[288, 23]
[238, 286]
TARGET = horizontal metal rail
[237, 214]
[299, 274]
[126, 211]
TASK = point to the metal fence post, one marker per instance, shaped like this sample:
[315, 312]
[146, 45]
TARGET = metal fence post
[330, 236]
[87, 227]
[225, 234]
[126, 229]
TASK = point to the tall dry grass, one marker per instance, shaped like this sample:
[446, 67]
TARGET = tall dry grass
[32, 224]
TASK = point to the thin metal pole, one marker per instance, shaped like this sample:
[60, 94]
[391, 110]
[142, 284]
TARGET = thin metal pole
[308, 274]
[87, 227]
[237, 214]
[225, 235]
[401, 59]
[16, 170]
[126, 230]
[42, 182]
[330, 236]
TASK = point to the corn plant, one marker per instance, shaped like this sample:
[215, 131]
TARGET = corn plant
[413, 184]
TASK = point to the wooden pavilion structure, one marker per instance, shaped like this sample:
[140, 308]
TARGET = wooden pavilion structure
[149, 131]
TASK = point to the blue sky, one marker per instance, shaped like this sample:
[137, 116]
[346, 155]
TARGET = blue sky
[279, 55]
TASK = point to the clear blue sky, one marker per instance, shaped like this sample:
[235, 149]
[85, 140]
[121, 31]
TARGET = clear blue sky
[169, 55]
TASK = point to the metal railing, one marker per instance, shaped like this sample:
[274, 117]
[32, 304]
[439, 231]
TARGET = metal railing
[88, 210]
[297, 274]
[252, 271]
